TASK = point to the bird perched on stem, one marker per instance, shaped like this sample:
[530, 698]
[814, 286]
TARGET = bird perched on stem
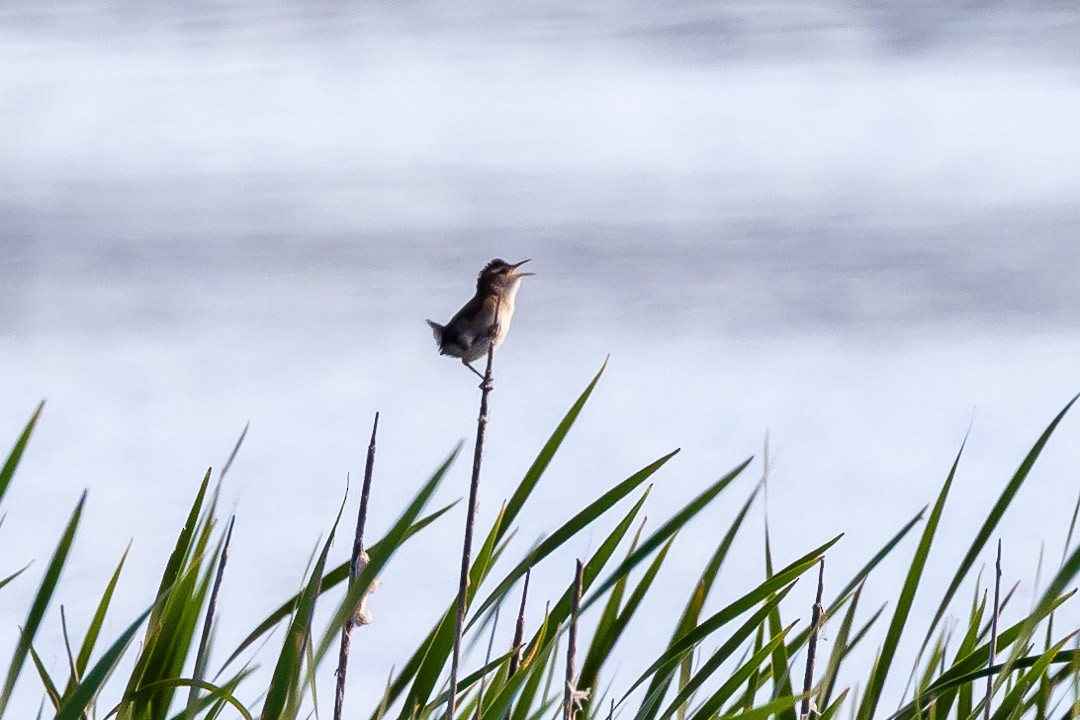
[485, 320]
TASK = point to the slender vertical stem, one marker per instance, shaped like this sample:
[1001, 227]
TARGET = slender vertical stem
[570, 693]
[67, 646]
[354, 569]
[519, 635]
[519, 629]
[211, 608]
[817, 616]
[470, 522]
[993, 632]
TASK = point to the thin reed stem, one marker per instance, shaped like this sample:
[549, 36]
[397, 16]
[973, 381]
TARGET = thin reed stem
[570, 695]
[470, 522]
[354, 570]
[519, 630]
[993, 632]
[211, 607]
[817, 616]
[67, 647]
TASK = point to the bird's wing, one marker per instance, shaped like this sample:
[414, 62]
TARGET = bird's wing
[471, 325]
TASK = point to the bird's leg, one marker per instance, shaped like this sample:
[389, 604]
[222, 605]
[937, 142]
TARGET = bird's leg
[467, 364]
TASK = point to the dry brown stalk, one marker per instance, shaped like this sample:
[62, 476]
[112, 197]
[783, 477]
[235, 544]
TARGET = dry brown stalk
[354, 570]
[470, 523]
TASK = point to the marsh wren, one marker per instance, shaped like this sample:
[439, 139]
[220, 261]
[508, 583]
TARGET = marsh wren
[485, 320]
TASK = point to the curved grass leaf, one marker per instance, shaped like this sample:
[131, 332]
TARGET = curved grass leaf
[839, 651]
[50, 687]
[92, 633]
[993, 518]
[675, 523]
[13, 458]
[759, 713]
[333, 578]
[779, 668]
[215, 692]
[542, 650]
[685, 643]
[692, 611]
[285, 682]
[968, 667]
[1021, 684]
[876, 682]
[40, 603]
[612, 622]
[623, 620]
[80, 699]
[730, 686]
[543, 459]
[438, 651]
[15, 574]
[571, 527]
[723, 654]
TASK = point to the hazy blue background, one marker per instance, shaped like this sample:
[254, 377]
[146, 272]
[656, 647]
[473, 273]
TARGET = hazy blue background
[850, 224]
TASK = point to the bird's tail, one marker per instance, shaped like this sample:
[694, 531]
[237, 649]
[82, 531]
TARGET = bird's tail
[437, 331]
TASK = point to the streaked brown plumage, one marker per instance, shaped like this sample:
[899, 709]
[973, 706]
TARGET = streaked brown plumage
[475, 327]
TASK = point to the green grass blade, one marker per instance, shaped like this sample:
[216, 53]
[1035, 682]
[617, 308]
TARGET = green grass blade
[531, 687]
[675, 523]
[215, 692]
[92, 633]
[13, 458]
[830, 712]
[685, 643]
[466, 683]
[608, 616]
[531, 672]
[332, 579]
[1038, 670]
[759, 713]
[613, 622]
[543, 459]
[40, 603]
[285, 683]
[570, 528]
[438, 650]
[15, 574]
[993, 518]
[730, 686]
[1056, 657]
[1050, 600]
[180, 551]
[611, 637]
[723, 653]
[387, 546]
[692, 611]
[969, 666]
[839, 651]
[876, 682]
[779, 667]
[80, 700]
[880, 555]
[50, 687]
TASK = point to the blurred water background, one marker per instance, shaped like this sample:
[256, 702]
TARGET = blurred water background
[853, 226]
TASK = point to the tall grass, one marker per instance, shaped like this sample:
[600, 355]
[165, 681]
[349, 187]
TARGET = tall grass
[736, 660]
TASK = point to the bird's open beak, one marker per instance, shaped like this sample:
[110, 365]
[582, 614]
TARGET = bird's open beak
[515, 266]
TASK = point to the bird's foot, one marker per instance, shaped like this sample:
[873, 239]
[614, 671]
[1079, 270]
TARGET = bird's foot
[478, 374]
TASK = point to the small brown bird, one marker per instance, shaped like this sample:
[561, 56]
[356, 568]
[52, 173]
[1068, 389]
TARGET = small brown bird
[485, 320]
